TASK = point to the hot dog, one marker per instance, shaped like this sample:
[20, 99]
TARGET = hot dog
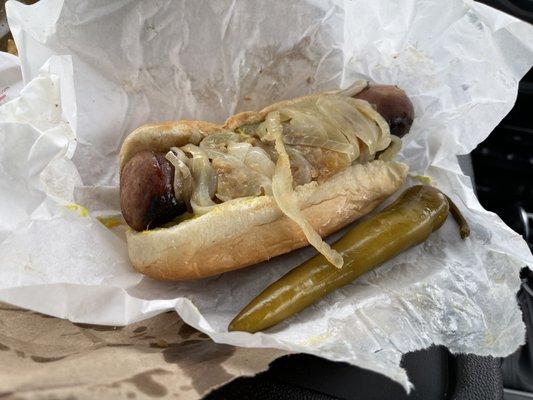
[202, 199]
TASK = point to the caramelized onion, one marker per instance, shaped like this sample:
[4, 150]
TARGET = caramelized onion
[285, 196]
[183, 182]
[394, 148]
[301, 168]
[204, 177]
[384, 130]
[258, 160]
[355, 88]
[239, 150]
[310, 139]
[215, 144]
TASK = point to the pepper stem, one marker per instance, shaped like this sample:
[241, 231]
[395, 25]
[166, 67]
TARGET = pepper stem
[464, 229]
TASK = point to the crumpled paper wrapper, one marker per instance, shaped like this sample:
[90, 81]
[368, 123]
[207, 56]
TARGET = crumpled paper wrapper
[94, 72]
[11, 77]
[50, 358]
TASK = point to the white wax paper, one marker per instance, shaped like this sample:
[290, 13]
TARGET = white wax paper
[10, 77]
[96, 70]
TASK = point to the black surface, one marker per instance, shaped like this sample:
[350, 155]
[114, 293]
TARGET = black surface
[476, 378]
[522, 9]
[347, 382]
[503, 163]
[518, 368]
[435, 373]
[263, 387]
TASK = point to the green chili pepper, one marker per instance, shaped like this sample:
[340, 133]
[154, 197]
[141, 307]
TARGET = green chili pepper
[405, 223]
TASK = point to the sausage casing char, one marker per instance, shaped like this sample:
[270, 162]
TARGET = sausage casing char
[393, 105]
[146, 182]
[147, 193]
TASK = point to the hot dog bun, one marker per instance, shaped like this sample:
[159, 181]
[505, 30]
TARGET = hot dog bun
[245, 231]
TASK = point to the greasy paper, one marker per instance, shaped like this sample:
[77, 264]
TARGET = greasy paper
[94, 71]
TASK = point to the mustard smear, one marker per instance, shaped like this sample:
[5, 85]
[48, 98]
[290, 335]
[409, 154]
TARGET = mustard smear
[79, 209]
[110, 222]
[316, 340]
[426, 180]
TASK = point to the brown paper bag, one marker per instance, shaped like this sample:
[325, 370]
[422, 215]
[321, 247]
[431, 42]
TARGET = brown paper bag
[43, 357]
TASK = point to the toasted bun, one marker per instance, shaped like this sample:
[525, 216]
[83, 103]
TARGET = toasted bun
[245, 231]
[160, 137]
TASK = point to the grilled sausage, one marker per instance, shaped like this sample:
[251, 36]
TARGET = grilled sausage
[393, 105]
[147, 193]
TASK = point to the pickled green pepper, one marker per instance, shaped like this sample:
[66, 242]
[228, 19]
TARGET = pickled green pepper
[406, 222]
